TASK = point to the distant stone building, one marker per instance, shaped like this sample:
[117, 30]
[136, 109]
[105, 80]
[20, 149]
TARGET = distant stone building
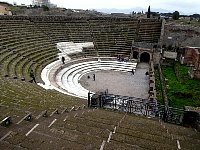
[5, 10]
[192, 59]
[41, 2]
[120, 15]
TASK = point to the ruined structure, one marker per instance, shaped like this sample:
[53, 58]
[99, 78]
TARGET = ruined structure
[41, 2]
[192, 59]
[4, 10]
[181, 35]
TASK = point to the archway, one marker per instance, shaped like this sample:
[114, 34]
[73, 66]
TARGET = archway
[135, 54]
[145, 57]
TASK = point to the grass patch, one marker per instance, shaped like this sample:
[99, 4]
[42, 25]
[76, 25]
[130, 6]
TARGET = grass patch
[181, 90]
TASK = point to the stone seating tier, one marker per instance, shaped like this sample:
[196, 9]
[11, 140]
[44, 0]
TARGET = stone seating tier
[67, 78]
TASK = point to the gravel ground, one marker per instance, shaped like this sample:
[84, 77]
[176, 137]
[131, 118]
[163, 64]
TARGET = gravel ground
[119, 83]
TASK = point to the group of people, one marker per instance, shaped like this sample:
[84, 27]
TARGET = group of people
[122, 58]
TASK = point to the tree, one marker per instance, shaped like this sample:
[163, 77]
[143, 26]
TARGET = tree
[175, 15]
[45, 8]
[148, 13]
[155, 14]
[132, 14]
[35, 6]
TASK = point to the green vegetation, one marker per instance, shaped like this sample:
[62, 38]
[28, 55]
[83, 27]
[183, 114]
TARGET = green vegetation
[45, 8]
[148, 13]
[181, 90]
[5, 4]
[175, 15]
[18, 9]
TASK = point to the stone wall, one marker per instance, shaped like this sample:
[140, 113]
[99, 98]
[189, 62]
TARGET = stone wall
[144, 44]
[181, 35]
[192, 58]
[4, 10]
[171, 55]
[156, 58]
[142, 47]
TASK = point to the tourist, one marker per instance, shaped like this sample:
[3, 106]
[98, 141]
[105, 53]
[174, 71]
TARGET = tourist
[94, 77]
[32, 76]
[132, 71]
[126, 59]
[118, 57]
[122, 58]
[63, 60]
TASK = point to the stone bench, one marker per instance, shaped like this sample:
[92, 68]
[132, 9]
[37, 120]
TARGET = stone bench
[6, 121]
[54, 112]
[27, 117]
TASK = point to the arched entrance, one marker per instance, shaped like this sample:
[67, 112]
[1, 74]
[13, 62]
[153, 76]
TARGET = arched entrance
[145, 57]
[135, 54]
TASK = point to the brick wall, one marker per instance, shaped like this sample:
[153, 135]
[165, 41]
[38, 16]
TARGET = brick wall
[192, 57]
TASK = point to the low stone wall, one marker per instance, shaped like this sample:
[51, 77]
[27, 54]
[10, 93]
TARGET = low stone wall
[152, 89]
[171, 55]
[162, 80]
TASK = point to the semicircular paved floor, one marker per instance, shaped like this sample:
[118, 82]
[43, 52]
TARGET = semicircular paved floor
[73, 79]
[117, 82]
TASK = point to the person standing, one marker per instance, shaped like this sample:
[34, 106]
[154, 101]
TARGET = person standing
[63, 59]
[32, 76]
[132, 71]
[94, 77]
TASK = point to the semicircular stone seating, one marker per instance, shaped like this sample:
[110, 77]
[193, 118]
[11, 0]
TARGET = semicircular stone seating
[66, 80]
